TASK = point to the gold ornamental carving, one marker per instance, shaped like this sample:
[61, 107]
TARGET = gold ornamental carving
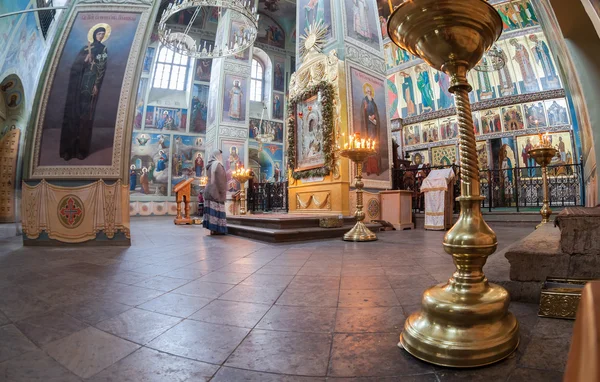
[9, 152]
[559, 305]
[314, 201]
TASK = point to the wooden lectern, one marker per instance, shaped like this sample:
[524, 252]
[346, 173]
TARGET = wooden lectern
[183, 192]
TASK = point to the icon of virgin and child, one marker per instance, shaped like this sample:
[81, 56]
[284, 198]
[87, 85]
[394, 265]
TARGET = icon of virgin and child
[85, 84]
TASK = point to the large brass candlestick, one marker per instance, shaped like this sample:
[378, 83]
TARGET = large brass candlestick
[359, 232]
[543, 154]
[242, 176]
[465, 322]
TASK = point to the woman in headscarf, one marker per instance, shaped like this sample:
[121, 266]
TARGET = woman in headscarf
[214, 195]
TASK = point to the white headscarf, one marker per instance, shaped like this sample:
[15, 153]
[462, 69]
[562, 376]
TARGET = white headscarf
[216, 159]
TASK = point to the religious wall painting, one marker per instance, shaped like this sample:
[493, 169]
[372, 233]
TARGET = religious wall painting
[384, 10]
[448, 128]
[504, 159]
[388, 55]
[14, 98]
[278, 74]
[485, 84]
[510, 18]
[523, 62]
[213, 95]
[187, 159]
[412, 135]
[482, 155]
[558, 113]
[397, 138]
[313, 11]
[362, 23]
[444, 98]
[505, 76]
[430, 130]
[270, 32]
[253, 127]
[139, 103]
[278, 100]
[512, 118]
[490, 121]
[408, 100]
[236, 34]
[199, 108]
[266, 162]
[234, 154]
[476, 123]
[309, 134]
[234, 99]
[202, 70]
[419, 158]
[546, 67]
[369, 119]
[392, 97]
[527, 14]
[149, 164]
[79, 119]
[148, 59]
[167, 119]
[565, 154]
[424, 88]
[443, 155]
[535, 114]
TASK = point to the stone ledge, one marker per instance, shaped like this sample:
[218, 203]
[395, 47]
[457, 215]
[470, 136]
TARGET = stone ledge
[579, 230]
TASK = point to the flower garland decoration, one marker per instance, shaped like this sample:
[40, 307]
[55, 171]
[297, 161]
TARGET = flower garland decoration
[327, 96]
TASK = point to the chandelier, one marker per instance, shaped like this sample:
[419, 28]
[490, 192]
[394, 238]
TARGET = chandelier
[492, 60]
[265, 135]
[183, 43]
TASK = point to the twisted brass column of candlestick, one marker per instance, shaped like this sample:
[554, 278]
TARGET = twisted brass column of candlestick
[465, 322]
[543, 153]
[242, 179]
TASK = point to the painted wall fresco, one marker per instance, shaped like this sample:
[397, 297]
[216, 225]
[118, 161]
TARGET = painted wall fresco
[361, 23]
[149, 164]
[234, 99]
[233, 157]
[266, 162]
[443, 155]
[562, 142]
[270, 32]
[199, 108]
[313, 11]
[419, 158]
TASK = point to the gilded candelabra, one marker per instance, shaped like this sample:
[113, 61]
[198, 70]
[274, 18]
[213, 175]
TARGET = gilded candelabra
[358, 151]
[465, 322]
[242, 175]
[543, 153]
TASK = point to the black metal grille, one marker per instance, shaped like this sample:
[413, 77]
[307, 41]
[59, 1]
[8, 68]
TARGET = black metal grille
[45, 16]
[512, 188]
[268, 197]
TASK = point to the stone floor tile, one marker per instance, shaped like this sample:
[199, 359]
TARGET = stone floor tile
[187, 273]
[200, 341]
[496, 372]
[299, 319]
[553, 328]
[285, 262]
[409, 270]
[174, 304]
[35, 366]
[127, 277]
[89, 351]
[369, 320]
[3, 319]
[411, 282]
[267, 280]
[256, 294]
[546, 353]
[367, 298]
[229, 374]
[46, 328]
[283, 352]
[309, 296]
[321, 282]
[137, 325]
[17, 304]
[132, 295]
[364, 282]
[363, 271]
[95, 310]
[240, 268]
[320, 271]
[372, 355]
[430, 377]
[149, 365]
[278, 270]
[235, 313]
[412, 296]
[162, 283]
[225, 277]
[533, 375]
[13, 343]
[200, 288]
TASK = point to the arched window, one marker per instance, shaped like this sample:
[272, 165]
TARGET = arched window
[257, 81]
[171, 70]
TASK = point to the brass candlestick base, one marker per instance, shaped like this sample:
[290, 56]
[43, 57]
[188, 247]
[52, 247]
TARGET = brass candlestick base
[359, 232]
[242, 179]
[465, 322]
[543, 155]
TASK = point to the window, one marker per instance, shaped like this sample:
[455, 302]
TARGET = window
[171, 70]
[256, 81]
[45, 17]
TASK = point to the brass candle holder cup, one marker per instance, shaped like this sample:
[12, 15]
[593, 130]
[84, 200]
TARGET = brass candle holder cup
[465, 322]
[242, 176]
[359, 232]
[543, 154]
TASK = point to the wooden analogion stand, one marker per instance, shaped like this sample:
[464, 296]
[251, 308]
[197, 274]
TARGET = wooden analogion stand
[183, 192]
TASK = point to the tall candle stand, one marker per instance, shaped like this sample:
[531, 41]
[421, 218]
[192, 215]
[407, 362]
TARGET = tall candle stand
[242, 176]
[543, 153]
[464, 322]
[359, 232]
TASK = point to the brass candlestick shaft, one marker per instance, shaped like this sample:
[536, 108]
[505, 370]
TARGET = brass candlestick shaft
[465, 322]
[242, 179]
[359, 232]
[543, 156]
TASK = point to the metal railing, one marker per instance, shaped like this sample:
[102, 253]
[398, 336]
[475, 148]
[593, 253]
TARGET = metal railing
[511, 188]
[268, 197]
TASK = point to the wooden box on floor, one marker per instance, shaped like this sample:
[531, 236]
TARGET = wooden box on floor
[396, 208]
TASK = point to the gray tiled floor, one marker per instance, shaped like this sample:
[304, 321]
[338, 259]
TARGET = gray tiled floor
[179, 305]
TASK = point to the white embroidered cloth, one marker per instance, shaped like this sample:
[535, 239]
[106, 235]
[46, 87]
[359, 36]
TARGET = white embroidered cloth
[438, 199]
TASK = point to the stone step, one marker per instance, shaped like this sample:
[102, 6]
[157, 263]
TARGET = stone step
[272, 235]
[279, 222]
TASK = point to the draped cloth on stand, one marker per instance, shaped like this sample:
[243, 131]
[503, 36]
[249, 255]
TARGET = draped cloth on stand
[75, 214]
[438, 199]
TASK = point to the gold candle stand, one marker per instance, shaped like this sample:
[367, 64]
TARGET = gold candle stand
[359, 232]
[242, 178]
[543, 154]
[465, 322]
